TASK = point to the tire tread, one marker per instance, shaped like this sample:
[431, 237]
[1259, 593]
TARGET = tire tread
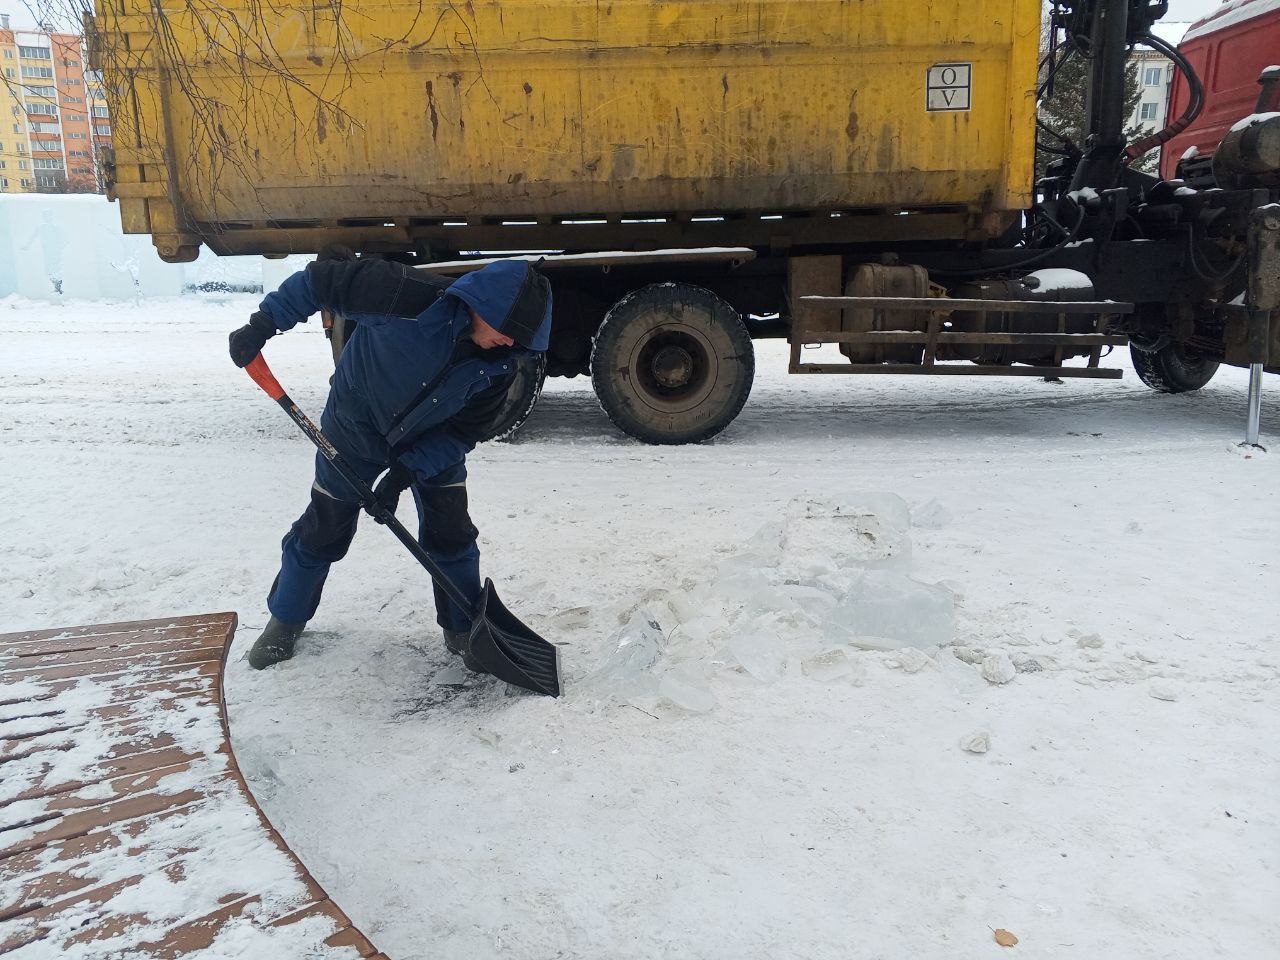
[1168, 371]
[611, 328]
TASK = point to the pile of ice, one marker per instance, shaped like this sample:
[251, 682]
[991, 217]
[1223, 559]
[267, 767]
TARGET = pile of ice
[807, 593]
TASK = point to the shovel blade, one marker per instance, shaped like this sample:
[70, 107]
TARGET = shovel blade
[503, 646]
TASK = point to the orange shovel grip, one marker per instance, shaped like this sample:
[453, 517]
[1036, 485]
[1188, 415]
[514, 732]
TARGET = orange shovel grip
[264, 378]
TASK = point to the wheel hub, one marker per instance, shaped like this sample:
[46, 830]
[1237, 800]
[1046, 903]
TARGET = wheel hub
[672, 366]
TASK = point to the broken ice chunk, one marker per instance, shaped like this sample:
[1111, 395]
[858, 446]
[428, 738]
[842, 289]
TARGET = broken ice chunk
[628, 662]
[872, 531]
[998, 668]
[1087, 641]
[487, 736]
[759, 653]
[696, 632]
[827, 666]
[977, 742]
[683, 607]
[886, 610]
[804, 603]
[687, 691]
[766, 542]
[931, 515]
[911, 660]
[1024, 663]
[451, 676]
[959, 676]
[747, 589]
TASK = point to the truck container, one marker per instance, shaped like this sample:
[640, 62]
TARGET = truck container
[408, 126]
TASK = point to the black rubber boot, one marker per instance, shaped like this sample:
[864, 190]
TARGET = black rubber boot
[457, 642]
[275, 644]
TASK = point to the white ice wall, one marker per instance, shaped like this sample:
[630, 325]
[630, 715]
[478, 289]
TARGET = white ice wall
[71, 246]
[55, 247]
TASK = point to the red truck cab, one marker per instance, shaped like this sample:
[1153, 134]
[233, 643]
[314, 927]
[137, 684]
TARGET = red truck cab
[1229, 49]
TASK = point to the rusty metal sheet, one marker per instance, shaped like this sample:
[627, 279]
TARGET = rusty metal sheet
[809, 281]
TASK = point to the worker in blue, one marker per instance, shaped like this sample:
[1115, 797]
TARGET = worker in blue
[424, 378]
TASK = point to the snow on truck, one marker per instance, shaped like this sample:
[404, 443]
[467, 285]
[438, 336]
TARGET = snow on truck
[698, 175]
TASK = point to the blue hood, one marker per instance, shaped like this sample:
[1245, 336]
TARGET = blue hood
[511, 297]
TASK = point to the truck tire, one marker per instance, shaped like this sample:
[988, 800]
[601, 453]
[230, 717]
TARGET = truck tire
[1172, 368]
[522, 396]
[672, 363]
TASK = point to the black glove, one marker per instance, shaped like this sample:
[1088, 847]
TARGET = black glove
[248, 341]
[395, 482]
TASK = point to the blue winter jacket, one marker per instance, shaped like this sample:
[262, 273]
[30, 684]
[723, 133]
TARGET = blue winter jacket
[406, 377]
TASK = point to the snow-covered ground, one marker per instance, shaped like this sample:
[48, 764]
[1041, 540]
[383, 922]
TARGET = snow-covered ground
[737, 769]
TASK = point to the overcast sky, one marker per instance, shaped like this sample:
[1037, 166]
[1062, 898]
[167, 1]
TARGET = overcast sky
[1178, 10]
[1187, 10]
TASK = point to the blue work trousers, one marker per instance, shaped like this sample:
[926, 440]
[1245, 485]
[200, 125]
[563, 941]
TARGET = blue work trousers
[323, 534]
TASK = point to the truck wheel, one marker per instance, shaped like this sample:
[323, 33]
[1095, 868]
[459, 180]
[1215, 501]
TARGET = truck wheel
[672, 363]
[522, 396]
[1173, 368]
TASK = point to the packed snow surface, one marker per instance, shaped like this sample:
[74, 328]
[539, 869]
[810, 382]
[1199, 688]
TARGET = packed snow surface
[890, 665]
[1058, 278]
[1253, 120]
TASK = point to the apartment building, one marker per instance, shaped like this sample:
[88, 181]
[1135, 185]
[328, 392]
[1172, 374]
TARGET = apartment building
[15, 156]
[52, 113]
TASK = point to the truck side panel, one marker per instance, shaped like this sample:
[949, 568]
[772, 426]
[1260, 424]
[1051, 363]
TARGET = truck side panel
[525, 108]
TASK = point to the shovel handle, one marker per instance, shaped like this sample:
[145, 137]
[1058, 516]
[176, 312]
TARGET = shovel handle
[263, 377]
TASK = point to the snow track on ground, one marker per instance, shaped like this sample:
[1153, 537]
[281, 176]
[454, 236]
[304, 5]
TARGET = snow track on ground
[1110, 554]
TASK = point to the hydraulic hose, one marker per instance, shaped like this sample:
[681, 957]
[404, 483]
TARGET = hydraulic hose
[1194, 105]
[1019, 264]
[1058, 62]
[1055, 63]
[1208, 275]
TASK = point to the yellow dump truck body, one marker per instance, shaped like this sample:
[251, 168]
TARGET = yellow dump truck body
[274, 128]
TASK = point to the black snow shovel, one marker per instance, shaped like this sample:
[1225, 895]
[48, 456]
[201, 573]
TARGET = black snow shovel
[500, 644]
